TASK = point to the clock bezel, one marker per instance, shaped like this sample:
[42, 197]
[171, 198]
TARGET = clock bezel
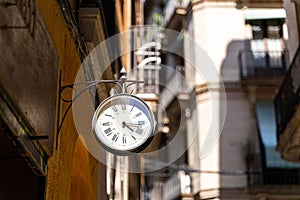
[140, 147]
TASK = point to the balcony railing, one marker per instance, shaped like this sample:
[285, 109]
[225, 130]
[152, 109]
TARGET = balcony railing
[263, 63]
[177, 185]
[274, 177]
[175, 85]
[147, 58]
[287, 99]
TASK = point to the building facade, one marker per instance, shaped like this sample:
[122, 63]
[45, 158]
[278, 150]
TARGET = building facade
[42, 47]
[224, 127]
[251, 45]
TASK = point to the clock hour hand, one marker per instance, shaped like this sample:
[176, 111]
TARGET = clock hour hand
[125, 125]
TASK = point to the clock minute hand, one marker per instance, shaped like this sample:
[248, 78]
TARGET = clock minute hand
[135, 125]
[125, 125]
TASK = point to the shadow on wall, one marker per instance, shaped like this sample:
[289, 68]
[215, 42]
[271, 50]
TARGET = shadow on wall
[230, 69]
[239, 123]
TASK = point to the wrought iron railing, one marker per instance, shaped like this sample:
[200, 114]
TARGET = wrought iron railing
[262, 63]
[146, 59]
[178, 184]
[274, 177]
[287, 99]
[174, 86]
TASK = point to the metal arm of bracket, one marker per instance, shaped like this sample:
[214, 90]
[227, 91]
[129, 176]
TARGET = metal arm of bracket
[123, 84]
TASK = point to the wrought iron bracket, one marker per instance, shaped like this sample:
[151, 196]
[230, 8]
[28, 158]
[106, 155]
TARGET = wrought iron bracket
[122, 83]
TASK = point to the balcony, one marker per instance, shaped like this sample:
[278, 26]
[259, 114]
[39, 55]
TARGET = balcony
[259, 4]
[262, 64]
[287, 107]
[283, 183]
[175, 11]
[176, 86]
[146, 58]
[274, 177]
[176, 186]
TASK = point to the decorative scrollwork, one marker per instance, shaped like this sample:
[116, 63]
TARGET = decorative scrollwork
[122, 83]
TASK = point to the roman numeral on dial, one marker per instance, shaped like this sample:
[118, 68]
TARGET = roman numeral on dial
[114, 108]
[141, 123]
[107, 131]
[123, 106]
[132, 107]
[115, 137]
[139, 131]
[139, 114]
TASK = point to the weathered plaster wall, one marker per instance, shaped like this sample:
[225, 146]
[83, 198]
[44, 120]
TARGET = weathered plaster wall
[63, 180]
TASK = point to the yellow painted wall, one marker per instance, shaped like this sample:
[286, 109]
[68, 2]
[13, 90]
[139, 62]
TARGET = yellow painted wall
[68, 177]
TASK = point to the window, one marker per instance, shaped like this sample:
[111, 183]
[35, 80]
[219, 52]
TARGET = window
[275, 169]
[267, 43]
[265, 115]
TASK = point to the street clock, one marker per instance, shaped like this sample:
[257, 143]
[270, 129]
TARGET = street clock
[124, 124]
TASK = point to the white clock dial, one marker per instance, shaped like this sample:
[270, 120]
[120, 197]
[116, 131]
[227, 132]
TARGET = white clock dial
[123, 123]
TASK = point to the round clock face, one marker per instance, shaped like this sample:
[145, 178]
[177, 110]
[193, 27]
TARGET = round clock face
[123, 124]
